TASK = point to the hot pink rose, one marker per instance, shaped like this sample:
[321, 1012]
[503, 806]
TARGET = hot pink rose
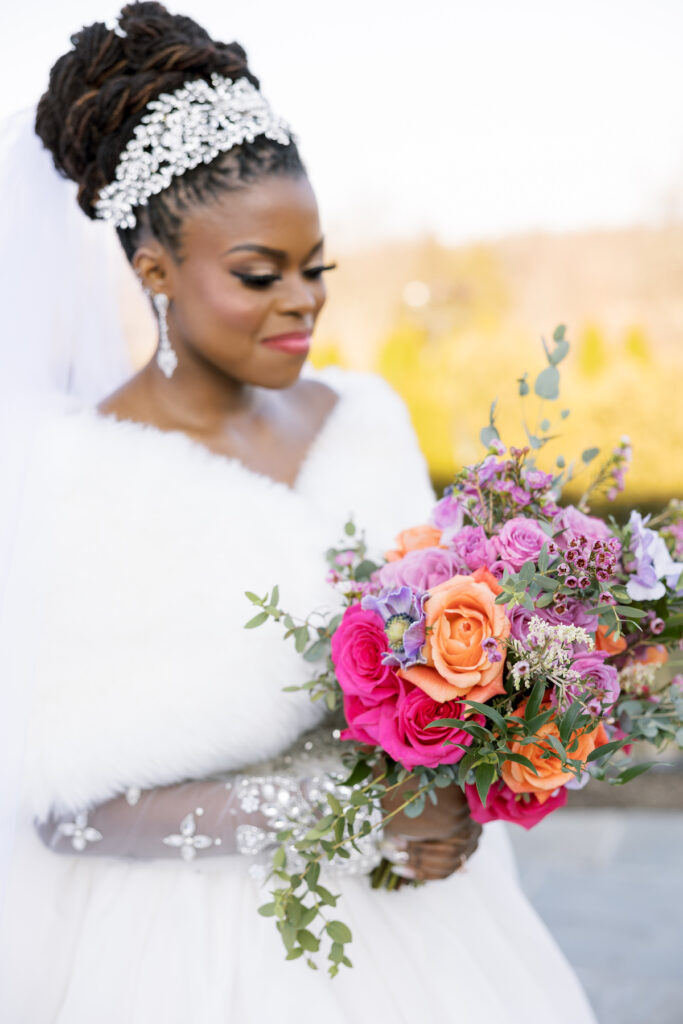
[400, 728]
[357, 649]
[573, 523]
[420, 570]
[520, 541]
[504, 805]
[363, 719]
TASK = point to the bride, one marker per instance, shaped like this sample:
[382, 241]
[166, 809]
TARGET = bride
[154, 752]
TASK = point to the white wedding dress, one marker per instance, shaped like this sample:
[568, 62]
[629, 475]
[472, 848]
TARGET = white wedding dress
[143, 546]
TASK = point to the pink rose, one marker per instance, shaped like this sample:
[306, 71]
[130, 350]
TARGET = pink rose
[420, 570]
[401, 731]
[573, 523]
[504, 805]
[520, 541]
[358, 646]
[473, 548]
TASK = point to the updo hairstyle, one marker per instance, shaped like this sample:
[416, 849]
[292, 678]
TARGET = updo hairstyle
[98, 92]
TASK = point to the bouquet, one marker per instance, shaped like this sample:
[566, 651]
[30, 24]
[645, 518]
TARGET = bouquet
[510, 646]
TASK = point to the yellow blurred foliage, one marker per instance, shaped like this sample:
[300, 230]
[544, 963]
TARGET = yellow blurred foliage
[452, 330]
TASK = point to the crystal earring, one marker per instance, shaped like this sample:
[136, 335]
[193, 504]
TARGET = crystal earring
[167, 360]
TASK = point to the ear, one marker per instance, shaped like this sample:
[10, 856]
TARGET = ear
[152, 264]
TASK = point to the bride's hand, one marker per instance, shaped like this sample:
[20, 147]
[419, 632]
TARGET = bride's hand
[438, 841]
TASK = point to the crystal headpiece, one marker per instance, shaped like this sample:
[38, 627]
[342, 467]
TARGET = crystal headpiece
[182, 130]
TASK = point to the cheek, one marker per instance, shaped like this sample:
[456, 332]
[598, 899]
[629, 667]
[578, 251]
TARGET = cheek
[217, 303]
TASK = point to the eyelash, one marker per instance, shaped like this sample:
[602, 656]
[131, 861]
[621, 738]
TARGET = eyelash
[263, 280]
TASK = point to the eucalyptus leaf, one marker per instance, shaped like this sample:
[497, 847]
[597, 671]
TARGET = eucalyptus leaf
[560, 351]
[487, 435]
[258, 620]
[317, 650]
[588, 454]
[547, 383]
[338, 931]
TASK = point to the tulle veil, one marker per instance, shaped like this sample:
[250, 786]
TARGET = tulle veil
[69, 298]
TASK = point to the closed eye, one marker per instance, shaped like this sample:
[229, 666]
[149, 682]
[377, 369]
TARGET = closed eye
[264, 280]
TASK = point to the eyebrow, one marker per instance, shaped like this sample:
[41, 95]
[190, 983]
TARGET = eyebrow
[267, 251]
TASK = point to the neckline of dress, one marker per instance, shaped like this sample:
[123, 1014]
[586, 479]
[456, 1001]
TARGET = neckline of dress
[191, 444]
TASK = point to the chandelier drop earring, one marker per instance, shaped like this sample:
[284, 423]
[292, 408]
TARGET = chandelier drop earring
[167, 360]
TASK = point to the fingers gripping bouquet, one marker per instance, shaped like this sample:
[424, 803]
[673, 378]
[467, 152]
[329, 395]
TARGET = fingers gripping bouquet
[509, 646]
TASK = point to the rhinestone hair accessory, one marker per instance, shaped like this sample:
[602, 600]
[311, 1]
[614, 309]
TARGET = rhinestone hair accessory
[182, 130]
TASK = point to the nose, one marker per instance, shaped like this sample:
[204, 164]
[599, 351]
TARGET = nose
[301, 297]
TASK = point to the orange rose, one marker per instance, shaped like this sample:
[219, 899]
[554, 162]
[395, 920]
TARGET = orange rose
[460, 613]
[611, 643]
[551, 776]
[413, 539]
[655, 654]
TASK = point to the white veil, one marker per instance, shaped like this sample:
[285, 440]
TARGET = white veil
[67, 292]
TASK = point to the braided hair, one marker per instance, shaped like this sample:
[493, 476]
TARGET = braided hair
[98, 93]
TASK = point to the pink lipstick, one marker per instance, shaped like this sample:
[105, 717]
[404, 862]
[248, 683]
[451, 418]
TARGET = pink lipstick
[296, 343]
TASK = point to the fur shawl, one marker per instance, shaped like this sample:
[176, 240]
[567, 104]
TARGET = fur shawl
[145, 674]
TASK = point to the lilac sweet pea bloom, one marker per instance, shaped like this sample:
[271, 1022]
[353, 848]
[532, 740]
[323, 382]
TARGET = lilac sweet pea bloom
[403, 614]
[448, 514]
[654, 564]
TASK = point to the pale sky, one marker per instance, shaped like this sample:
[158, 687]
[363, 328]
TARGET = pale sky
[466, 120]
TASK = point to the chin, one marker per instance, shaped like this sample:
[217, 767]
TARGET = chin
[277, 377]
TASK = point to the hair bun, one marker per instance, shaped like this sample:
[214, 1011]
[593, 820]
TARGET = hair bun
[97, 91]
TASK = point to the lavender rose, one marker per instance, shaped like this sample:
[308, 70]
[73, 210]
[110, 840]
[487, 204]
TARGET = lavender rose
[599, 686]
[571, 523]
[420, 570]
[520, 541]
[473, 549]
[574, 615]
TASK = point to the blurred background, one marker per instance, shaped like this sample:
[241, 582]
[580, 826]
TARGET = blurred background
[485, 172]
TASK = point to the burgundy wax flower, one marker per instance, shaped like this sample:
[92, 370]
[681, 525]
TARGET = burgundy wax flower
[503, 805]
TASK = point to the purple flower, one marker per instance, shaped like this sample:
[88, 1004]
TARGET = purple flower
[537, 480]
[499, 567]
[520, 541]
[491, 649]
[653, 565]
[448, 513]
[520, 496]
[472, 548]
[421, 570]
[519, 618]
[488, 469]
[599, 686]
[402, 611]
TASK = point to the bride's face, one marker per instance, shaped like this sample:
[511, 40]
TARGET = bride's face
[248, 288]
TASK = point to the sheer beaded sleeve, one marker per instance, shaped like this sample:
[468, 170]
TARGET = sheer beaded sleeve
[238, 813]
